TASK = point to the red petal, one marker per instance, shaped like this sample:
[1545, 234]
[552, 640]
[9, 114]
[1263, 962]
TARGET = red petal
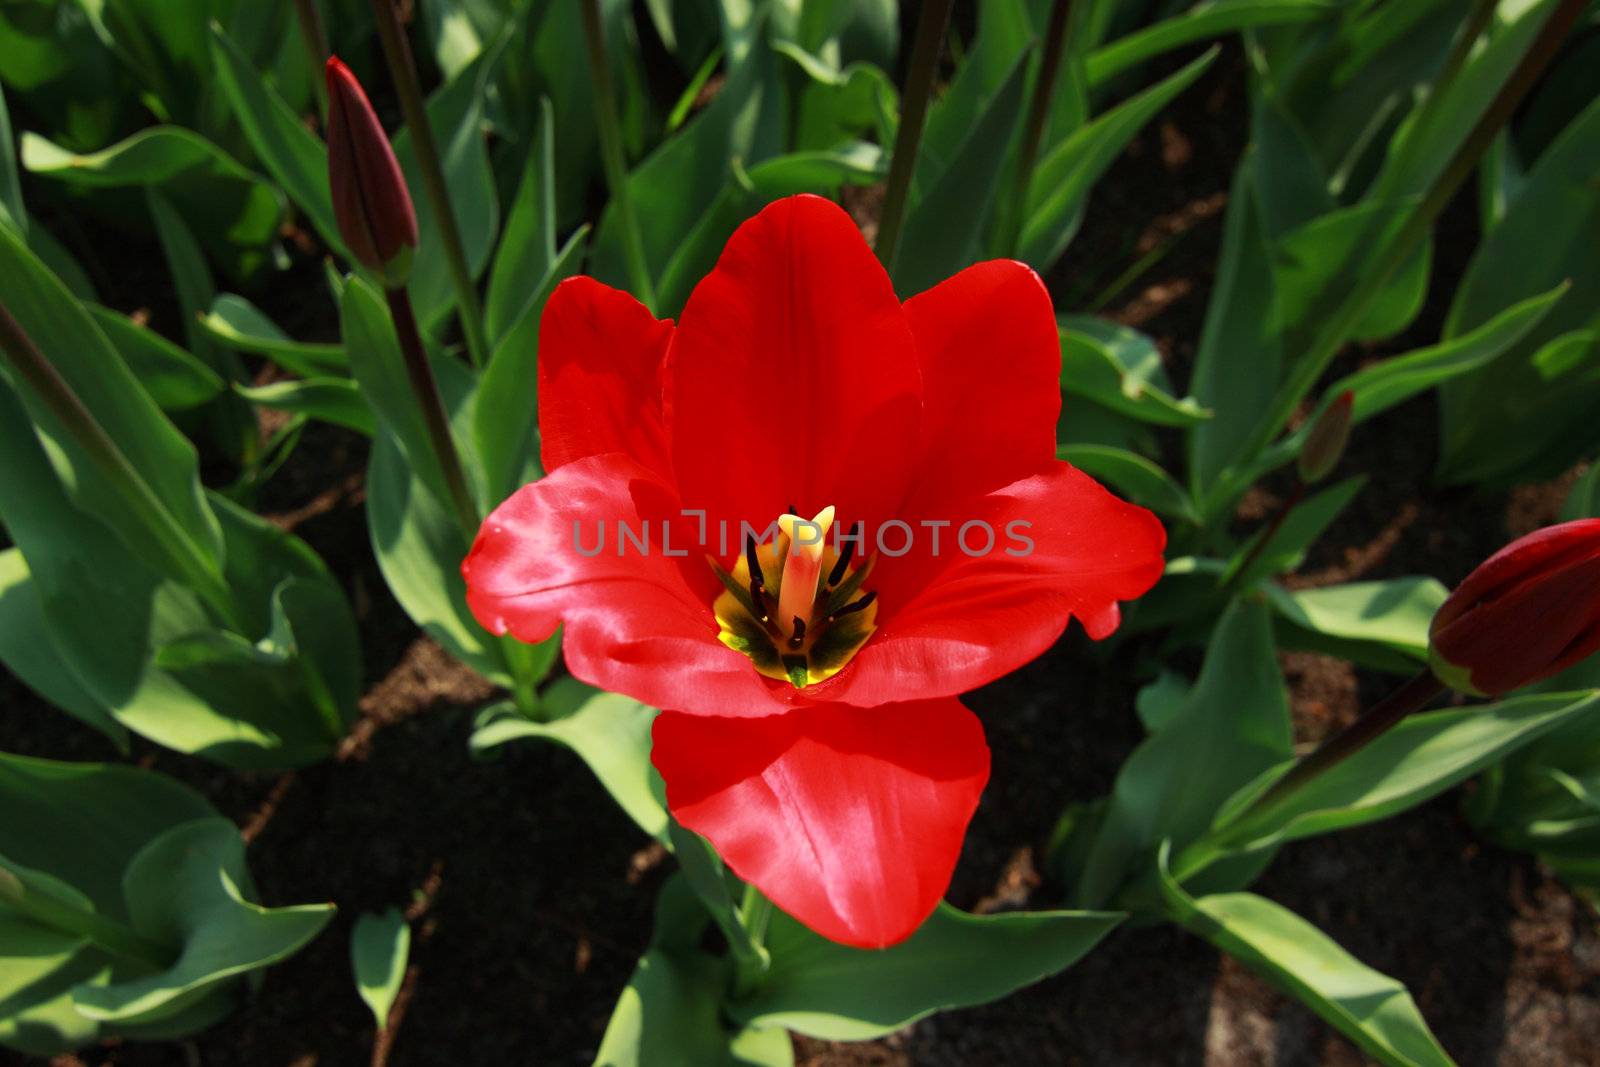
[951, 622]
[371, 203]
[635, 622]
[792, 378]
[991, 378]
[849, 819]
[600, 357]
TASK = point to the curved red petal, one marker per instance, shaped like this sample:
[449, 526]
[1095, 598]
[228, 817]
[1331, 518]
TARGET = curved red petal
[849, 819]
[991, 379]
[951, 621]
[600, 359]
[635, 621]
[792, 378]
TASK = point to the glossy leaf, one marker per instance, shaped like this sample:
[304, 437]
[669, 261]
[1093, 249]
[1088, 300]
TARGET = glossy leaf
[175, 380]
[1383, 623]
[334, 400]
[608, 731]
[1134, 477]
[238, 324]
[1121, 368]
[1211, 18]
[379, 947]
[1289, 542]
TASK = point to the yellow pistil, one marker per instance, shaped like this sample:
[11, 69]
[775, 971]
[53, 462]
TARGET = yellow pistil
[794, 605]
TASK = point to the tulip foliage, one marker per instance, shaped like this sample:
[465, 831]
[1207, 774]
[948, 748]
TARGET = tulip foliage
[735, 493]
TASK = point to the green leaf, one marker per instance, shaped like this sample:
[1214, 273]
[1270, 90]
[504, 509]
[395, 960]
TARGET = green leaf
[12, 211]
[1315, 265]
[1121, 368]
[1371, 1009]
[379, 946]
[235, 322]
[76, 347]
[505, 422]
[175, 380]
[294, 156]
[944, 224]
[608, 731]
[1065, 174]
[1386, 620]
[1209, 19]
[1233, 725]
[455, 112]
[27, 652]
[1412, 763]
[334, 400]
[191, 888]
[954, 960]
[671, 1011]
[527, 250]
[1134, 477]
[1522, 417]
[235, 213]
[1284, 552]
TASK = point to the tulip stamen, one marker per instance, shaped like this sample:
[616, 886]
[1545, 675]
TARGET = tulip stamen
[794, 604]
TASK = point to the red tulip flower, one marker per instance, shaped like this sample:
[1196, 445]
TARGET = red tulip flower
[1529, 611]
[371, 203]
[811, 730]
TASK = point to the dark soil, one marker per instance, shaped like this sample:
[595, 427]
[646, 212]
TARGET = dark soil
[531, 892]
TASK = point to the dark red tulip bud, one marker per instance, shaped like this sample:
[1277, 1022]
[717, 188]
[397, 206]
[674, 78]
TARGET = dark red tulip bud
[370, 199]
[1326, 439]
[1529, 611]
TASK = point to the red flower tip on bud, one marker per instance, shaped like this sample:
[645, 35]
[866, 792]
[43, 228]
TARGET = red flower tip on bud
[1326, 439]
[370, 199]
[1529, 611]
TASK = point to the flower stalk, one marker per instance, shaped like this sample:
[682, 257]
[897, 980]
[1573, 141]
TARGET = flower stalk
[925, 49]
[183, 558]
[403, 70]
[315, 39]
[616, 167]
[755, 913]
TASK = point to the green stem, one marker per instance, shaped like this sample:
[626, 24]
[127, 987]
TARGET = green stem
[1338, 327]
[116, 938]
[1015, 210]
[316, 42]
[183, 558]
[610, 130]
[403, 70]
[1266, 537]
[925, 48]
[425, 388]
[755, 913]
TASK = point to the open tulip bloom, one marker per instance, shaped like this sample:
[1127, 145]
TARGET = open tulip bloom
[801, 521]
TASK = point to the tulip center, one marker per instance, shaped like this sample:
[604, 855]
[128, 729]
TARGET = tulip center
[793, 603]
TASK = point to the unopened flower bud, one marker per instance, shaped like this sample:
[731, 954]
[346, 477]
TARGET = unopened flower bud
[1326, 439]
[1529, 611]
[370, 199]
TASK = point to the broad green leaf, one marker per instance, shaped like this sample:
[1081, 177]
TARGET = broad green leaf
[671, 1011]
[335, 400]
[505, 423]
[455, 112]
[838, 106]
[79, 351]
[1005, 30]
[1134, 477]
[1211, 18]
[1064, 176]
[38, 968]
[527, 251]
[379, 947]
[190, 887]
[235, 213]
[12, 211]
[27, 652]
[1371, 1009]
[1412, 763]
[294, 156]
[238, 324]
[1523, 418]
[1121, 368]
[608, 731]
[175, 380]
[1233, 726]
[954, 960]
[1158, 703]
[944, 224]
[1289, 542]
[1383, 623]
